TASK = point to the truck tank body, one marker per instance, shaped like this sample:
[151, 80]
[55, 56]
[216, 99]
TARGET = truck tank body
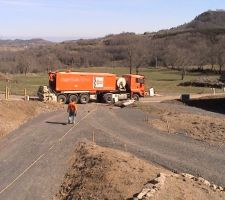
[80, 81]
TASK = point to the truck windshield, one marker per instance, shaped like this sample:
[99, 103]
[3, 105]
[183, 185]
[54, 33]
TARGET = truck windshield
[140, 80]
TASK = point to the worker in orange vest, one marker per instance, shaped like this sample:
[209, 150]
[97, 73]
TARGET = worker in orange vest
[72, 110]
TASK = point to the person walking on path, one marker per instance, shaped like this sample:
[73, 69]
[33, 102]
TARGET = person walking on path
[72, 110]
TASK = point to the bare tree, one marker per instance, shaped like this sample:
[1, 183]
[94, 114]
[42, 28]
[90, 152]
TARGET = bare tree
[221, 57]
[137, 55]
[23, 65]
[212, 41]
[182, 62]
[171, 56]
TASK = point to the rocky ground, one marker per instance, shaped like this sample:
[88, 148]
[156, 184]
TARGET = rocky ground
[15, 113]
[101, 173]
[178, 118]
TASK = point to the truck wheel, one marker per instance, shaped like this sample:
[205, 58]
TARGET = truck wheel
[73, 97]
[61, 99]
[136, 97]
[84, 98]
[108, 98]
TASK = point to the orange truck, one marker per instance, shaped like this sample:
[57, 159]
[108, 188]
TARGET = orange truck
[83, 87]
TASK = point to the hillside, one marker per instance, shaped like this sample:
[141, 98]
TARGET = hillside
[24, 111]
[36, 41]
[20, 45]
[210, 21]
[198, 44]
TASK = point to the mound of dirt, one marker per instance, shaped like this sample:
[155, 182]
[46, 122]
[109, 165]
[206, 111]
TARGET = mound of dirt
[101, 173]
[173, 119]
[98, 173]
[15, 113]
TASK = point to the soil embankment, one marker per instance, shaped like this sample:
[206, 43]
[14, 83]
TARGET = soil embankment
[177, 118]
[102, 173]
[15, 113]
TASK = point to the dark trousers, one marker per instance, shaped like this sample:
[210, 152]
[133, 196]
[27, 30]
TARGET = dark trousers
[71, 118]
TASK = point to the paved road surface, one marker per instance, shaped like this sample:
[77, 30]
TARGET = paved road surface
[34, 158]
[167, 97]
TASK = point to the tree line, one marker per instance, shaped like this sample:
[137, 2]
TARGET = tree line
[185, 50]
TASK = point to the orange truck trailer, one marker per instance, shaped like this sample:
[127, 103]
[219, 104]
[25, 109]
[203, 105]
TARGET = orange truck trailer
[83, 87]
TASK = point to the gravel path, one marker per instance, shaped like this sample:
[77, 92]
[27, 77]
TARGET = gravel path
[34, 158]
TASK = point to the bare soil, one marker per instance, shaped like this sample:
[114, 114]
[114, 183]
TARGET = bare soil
[102, 173]
[180, 188]
[179, 119]
[15, 113]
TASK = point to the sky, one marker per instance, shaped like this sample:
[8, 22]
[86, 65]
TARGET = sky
[59, 20]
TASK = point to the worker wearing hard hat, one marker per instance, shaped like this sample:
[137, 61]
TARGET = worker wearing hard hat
[72, 110]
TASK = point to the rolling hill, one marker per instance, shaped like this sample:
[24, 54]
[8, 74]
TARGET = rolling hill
[198, 43]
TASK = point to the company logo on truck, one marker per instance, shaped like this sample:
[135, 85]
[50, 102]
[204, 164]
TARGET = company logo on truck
[98, 82]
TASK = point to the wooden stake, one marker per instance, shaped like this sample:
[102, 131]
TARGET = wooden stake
[6, 92]
[146, 119]
[125, 147]
[168, 127]
[25, 92]
[93, 137]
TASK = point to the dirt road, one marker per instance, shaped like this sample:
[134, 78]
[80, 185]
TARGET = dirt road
[34, 158]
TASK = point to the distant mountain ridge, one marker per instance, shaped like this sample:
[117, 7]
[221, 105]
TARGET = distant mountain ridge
[34, 41]
[199, 43]
[209, 21]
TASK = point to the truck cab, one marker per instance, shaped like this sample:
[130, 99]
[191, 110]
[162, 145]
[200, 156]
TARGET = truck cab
[135, 84]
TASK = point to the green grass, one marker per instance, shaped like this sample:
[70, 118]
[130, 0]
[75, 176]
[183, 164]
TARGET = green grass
[31, 82]
[164, 81]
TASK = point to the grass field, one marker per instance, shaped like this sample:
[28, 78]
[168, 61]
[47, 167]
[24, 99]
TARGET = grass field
[164, 81]
[31, 82]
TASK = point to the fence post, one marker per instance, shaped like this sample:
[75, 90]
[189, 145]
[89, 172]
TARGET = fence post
[93, 137]
[25, 94]
[6, 93]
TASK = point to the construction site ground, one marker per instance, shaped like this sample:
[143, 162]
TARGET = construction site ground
[176, 117]
[14, 113]
[103, 173]
[35, 157]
